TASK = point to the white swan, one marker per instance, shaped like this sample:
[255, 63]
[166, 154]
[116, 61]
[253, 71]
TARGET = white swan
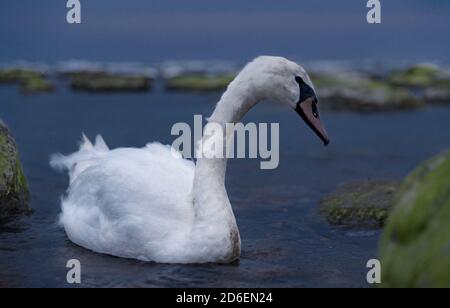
[150, 205]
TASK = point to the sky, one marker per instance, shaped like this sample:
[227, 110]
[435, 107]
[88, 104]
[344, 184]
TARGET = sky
[158, 30]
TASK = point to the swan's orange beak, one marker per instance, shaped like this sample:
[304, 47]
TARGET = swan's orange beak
[310, 114]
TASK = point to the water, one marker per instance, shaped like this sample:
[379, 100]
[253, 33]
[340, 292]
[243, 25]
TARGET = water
[286, 243]
[202, 29]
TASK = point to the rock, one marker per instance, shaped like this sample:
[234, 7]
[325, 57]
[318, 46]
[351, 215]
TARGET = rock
[439, 92]
[357, 92]
[31, 82]
[36, 85]
[419, 75]
[16, 75]
[14, 194]
[415, 246]
[105, 82]
[362, 205]
[199, 82]
[437, 95]
[432, 80]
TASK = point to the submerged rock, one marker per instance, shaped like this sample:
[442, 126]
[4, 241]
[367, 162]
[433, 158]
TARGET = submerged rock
[105, 82]
[30, 81]
[199, 82]
[16, 75]
[415, 247]
[419, 75]
[364, 204]
[36, 85]
[357, 92]
[432, 80]
[14, 195]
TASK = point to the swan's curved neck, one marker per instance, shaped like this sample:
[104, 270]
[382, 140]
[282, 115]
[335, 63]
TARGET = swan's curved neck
[234, 103]
[211, 203]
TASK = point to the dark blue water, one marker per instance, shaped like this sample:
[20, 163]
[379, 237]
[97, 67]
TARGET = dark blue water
[285, 242]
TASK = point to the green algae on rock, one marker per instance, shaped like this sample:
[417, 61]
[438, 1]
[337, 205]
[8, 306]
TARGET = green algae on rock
[15, 75]
[419, 75]
[362, 205]
[415, 246]
[106, 82]
[14, 194]
[199, 82]
[31, 82]
[36, 85]
[361, 93]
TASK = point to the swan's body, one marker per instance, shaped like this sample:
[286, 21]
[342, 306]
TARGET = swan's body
[152, 205]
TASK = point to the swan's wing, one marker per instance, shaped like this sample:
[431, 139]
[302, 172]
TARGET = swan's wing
[87, 155]
[127, 201]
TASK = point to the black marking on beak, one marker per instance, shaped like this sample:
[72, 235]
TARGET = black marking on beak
[301, 112]
[307, 109]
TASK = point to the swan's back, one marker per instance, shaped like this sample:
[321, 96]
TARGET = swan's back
[128, 202]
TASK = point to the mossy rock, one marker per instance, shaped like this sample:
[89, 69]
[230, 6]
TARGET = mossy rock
[439, 92]
[362, 94]
[36, 85]
[415, 246]
[31, 82]
[199, 82]
[14, 193]
[359, 205]
[104, 82]
[18, 75]
[421, 75]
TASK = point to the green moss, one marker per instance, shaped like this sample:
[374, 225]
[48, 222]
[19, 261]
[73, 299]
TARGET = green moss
[16, 183]
[3, 159]
[359, 204]
[29, 80]
[20, 182]
[14, 193]
[198, 82]
[36, 85]
[415, 247]
[416, 76]
[18, 75]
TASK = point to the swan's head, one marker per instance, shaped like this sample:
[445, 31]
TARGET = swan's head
[284, 81]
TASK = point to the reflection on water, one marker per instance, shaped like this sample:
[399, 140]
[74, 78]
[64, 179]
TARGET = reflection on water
[285, 241]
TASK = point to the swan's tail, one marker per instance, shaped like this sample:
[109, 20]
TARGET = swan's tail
[79, 161]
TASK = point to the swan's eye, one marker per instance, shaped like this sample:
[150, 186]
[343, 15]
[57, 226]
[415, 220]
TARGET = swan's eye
[315, 110]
